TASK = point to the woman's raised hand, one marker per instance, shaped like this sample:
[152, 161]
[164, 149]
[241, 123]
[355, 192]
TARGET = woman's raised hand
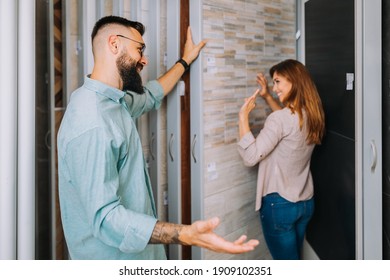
[263, 83]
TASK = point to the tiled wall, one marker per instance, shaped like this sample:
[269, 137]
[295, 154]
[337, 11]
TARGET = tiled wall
[72, 54]
[245, 37]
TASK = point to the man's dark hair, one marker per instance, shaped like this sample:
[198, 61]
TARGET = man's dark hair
[104, 21]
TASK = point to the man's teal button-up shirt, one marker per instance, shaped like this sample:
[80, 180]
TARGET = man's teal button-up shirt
[106, 199]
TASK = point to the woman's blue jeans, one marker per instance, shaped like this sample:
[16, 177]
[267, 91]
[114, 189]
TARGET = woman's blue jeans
[284, 225]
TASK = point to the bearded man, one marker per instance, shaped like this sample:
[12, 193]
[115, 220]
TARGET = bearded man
[106, 200]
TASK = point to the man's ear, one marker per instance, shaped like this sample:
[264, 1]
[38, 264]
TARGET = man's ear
[113, 44]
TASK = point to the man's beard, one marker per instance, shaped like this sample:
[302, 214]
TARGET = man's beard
[127, 68]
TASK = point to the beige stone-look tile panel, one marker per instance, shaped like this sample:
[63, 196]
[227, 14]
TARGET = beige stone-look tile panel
[221, 118]
[108, 6]
[253, 231]
[235, 208]
[224, 170]
[251, 37]
[221, 181]
[73, 18]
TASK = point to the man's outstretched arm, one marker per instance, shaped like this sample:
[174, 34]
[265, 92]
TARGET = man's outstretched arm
[172, 76]
[201, 234]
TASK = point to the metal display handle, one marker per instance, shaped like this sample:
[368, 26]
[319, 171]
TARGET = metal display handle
[193, 148]
[170, 147]
[374, 155]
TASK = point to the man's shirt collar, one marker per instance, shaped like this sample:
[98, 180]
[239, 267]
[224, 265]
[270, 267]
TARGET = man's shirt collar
[110, 92]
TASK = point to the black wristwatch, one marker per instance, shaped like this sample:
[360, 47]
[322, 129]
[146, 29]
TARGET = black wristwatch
[184, 63]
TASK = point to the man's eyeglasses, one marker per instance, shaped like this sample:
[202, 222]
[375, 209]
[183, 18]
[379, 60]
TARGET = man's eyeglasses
[143, 46]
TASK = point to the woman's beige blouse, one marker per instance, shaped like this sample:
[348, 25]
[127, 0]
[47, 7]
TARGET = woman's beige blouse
[283, 156]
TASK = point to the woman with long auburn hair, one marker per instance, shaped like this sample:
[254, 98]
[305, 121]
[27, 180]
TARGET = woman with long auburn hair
[283, 151]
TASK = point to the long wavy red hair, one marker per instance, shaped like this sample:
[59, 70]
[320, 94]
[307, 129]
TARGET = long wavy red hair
[303, 97]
